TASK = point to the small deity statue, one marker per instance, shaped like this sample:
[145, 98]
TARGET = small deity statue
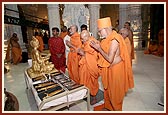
[82, 18]
[39, 64]
[76, 14]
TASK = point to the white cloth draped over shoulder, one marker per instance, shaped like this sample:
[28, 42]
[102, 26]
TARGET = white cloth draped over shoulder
[67, 49]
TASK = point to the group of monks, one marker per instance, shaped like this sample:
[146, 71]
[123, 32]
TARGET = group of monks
[88, 58]
[81, 58]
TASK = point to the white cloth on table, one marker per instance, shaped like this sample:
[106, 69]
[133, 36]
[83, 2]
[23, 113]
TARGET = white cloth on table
[75, 96]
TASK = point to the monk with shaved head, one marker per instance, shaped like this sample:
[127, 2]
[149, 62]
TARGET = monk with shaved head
[73, 57]
[88, 69]
[114, 64]
[124, 33]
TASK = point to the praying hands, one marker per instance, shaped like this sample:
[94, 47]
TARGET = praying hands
[95, 45]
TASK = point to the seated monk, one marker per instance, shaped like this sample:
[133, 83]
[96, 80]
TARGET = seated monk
[153, 47]
[16, 50]
[160, 51]
[39, 64]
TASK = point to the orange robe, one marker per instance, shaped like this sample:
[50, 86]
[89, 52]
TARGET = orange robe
[152, 49]
[129, 47]
[41, 47]
[63, 34]
[118, 78]
[161, 43]
[73, 58]
[16, 55]
[160, 51]
[157, 49]
[132, 50]
[88, 70]
[132, 43]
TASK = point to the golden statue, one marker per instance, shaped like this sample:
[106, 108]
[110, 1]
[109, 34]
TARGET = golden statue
[40, 64]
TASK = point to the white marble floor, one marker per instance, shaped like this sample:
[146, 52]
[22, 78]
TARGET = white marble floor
[149, 89]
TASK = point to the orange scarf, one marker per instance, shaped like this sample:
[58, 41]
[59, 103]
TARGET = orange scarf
[105, 45]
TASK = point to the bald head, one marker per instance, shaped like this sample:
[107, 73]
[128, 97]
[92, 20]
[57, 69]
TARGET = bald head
[124, 32]
[85, 35]
[73, 29]
[14, 35]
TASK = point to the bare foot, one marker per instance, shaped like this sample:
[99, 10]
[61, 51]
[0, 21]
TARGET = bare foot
[94, 101]
[104, 109]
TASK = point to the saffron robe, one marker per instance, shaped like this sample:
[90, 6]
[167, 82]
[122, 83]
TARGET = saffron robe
[41, 43]
[16, 55]
[129, 47]
[63, 34]
[15, 51]
[73, 58]
[132, 43]
[88, 70]
[152, 49]
[161, 43]
[132, 50]
[118, 78]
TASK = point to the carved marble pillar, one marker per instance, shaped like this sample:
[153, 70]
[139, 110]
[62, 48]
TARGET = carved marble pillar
[53, 16]
[134, 17]
[9, 29]
[122, 15]
[94, 10]
[145, 16]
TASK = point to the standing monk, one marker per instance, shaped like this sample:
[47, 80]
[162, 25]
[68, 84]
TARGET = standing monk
[16, 49]
[73, 57]
[45, 40]
[57, 50]
[124, 34]
[130, 36]
[88, 70]
[64, 32]
[115, 67]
